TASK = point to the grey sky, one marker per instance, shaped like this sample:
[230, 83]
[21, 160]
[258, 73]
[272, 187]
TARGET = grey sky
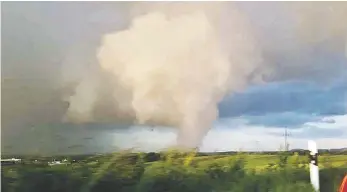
[41, 39]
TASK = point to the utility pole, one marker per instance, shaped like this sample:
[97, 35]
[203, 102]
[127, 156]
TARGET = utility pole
[286, 134]
[257, 146]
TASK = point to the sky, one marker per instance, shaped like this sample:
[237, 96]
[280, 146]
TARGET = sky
[307, 93]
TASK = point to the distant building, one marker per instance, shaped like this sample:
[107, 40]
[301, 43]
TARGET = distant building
[64, 162]
[12, 161]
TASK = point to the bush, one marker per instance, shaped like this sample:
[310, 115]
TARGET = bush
[122, 173]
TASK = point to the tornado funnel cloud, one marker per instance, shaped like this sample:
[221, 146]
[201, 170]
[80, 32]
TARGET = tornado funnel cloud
[173, 69]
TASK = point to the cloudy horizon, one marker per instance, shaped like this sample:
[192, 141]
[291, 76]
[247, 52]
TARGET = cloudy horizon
[241, 127]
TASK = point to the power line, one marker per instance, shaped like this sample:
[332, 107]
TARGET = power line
[286, 135]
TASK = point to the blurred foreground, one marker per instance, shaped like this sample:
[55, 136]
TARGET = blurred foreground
[172, 171]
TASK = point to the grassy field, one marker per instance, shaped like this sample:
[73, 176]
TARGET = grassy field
[173, 171]
[261, 162]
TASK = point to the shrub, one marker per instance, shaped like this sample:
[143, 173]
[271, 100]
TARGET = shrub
[122, 173]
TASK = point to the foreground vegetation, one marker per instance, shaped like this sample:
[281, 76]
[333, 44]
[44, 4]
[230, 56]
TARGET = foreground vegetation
[173, 171]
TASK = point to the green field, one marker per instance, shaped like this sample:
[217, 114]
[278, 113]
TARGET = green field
[260, 162]
[173, 171]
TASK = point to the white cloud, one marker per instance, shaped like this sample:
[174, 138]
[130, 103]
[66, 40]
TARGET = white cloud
[330, 122]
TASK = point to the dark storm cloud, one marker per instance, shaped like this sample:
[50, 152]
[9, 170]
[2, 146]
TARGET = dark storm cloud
[37, 37]
[289, 98]
[301, 40]
[291, 120]
[314, 133]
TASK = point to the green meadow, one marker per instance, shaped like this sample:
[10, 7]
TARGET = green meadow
[173, 171]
